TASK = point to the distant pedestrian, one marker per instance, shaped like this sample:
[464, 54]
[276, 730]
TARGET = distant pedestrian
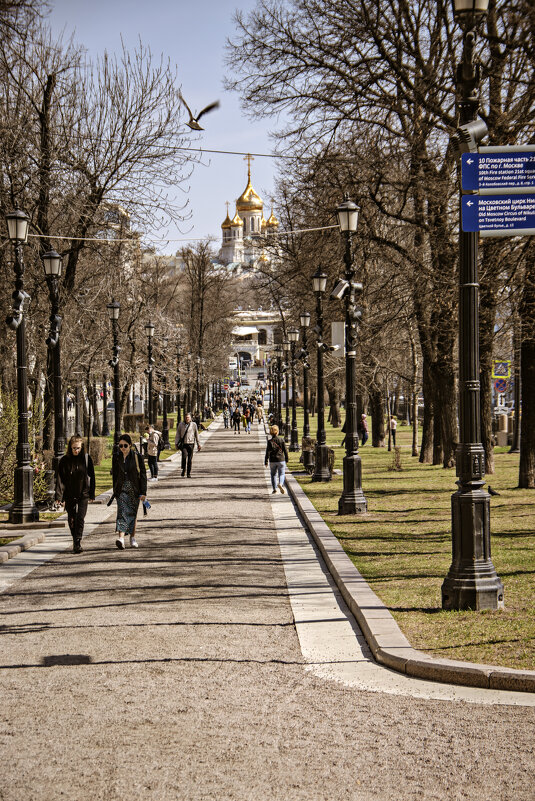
[129, 487]
[154, 439]
[277, 456]
[364, 428]
[246, 419]
[226, 416]
[393, 424]
[187, 434]
[75, 487]
[236, 420]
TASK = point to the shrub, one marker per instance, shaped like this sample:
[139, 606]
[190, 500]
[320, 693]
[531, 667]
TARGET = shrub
[97, 449]
[133, 422]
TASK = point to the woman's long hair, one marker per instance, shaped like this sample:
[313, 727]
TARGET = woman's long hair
[75, 438]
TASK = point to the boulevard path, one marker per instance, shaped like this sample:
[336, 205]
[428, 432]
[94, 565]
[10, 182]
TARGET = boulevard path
[176, 671]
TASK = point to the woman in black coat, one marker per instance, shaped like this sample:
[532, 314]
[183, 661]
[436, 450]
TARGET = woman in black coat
[75, 487]
[277, 456]
[129, 487]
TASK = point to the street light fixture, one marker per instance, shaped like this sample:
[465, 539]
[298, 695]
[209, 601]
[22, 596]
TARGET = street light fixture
[293, 336]
[286, 349]
[114, 309]
[53, 264]
[352, 500]
[472, 581]
[23, 509]
[304, 319]
[165, 427]
[149, 330]
[321, 456]
[279, 351]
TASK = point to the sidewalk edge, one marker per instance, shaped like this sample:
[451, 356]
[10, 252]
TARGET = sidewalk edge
[387, 642]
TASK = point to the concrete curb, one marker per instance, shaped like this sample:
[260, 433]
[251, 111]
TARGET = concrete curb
[22, 544]
[387, 642]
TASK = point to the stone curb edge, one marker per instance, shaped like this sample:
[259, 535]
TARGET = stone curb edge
[387, 642]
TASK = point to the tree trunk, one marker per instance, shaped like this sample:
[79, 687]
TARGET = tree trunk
[428, 427]
[333, 391]
[378, 419]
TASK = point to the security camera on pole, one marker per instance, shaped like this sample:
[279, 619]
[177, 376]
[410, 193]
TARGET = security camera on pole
[352, 500]
[23, 509]
[472, 582]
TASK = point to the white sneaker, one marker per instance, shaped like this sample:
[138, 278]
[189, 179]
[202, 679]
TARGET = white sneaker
[155, 478]
[133, 542]
[120, 542]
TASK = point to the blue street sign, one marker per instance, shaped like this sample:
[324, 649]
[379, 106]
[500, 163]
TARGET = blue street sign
[501, 170]
[499, 215]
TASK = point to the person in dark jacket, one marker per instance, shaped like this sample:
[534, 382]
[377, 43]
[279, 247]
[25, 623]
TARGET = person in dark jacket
[277, 456]
[75, 487]
[129, 487]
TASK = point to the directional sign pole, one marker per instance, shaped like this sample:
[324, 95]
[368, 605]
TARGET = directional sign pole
[472, 582]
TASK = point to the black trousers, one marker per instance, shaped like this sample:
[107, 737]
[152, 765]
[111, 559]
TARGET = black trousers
[153, 465]
[187, 456]
[76, 509]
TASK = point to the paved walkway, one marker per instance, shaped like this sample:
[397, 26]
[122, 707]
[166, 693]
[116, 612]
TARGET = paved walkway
[177, 672]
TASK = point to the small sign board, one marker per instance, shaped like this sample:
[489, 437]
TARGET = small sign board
[500, 385]
[495, 171]
[499, 215]
[501, 368]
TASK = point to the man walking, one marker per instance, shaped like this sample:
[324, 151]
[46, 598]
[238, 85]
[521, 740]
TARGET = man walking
[187, 434]
[153, 440]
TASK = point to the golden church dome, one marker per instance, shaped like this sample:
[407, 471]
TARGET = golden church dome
[249, 200]
[237, 220]
[272, 222]
[227, 222]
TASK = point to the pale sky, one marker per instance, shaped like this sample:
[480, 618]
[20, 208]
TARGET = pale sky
[192, 34]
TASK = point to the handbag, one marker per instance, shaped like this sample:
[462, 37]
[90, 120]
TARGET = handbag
[180, 443]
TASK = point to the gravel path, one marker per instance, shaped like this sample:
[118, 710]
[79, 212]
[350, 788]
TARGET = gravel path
[174, 672]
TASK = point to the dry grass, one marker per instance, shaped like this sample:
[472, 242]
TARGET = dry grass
[403, 549]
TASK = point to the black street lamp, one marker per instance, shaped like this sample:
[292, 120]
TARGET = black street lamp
[187, 398]
[105, 426]
[293, 336]
[321, 456]
[278, 351]
[286, 349]
[52, 263]
[23, 508]
[472, 581]
[197, 386]
[149, 330]
[178, 384]
[352, 500]
[113, 310]
[304, 319]
[165, 427]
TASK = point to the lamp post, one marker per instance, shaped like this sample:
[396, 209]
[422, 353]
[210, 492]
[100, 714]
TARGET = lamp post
[113, 310]
[293, 336]
[149, 330]
[52, 263]
[472, 582]
[278, 350]
[165, 427]
[321, 456]
[304, 319]
[197, 385]
[23, 509]
[187, 407]
[286, 348]
[178, 387]
[352, 500]
[105, 426]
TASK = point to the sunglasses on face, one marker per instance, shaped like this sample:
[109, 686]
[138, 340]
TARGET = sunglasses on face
[124, 445]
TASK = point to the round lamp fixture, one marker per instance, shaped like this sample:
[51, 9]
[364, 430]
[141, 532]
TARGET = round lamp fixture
[113, 310]
[53, 264]
[304, 319]
[319, 281]
[17, 226]
[149, 329]
[348, 215]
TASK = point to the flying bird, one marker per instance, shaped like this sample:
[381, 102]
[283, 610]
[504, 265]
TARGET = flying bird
[193, 121]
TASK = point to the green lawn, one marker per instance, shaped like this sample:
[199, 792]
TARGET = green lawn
[402, 546]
